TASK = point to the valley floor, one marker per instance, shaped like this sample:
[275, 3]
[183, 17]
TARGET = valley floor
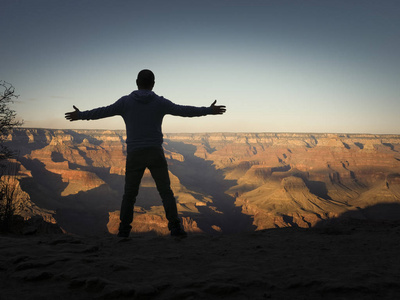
[355, 261]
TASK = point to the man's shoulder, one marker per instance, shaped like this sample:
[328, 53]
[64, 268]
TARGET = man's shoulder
[124, 98]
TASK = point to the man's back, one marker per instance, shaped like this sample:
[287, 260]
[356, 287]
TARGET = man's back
[143, 112]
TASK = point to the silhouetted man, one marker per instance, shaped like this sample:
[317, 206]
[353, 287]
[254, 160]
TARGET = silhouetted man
[143, 112]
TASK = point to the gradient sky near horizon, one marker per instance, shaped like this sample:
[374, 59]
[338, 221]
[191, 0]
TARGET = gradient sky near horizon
[278, 66]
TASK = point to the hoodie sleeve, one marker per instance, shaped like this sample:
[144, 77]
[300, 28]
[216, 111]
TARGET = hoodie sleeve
[185, 110]
[103, 112]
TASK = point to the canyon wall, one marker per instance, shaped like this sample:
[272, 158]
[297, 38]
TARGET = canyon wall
[225, 182]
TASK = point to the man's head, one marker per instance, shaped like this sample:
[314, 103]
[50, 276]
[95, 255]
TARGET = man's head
[145, 80]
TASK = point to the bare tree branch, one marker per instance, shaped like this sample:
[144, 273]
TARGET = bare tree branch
[7, 116]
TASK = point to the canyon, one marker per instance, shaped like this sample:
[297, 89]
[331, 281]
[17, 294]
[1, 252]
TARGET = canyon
[223, 182]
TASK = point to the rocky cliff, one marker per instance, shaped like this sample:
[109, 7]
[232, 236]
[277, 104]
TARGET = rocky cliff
[222, 181]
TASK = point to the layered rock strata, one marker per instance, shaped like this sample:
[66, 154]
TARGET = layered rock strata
[222, 181]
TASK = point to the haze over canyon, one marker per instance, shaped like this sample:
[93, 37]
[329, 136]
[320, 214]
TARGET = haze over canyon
[223, 182]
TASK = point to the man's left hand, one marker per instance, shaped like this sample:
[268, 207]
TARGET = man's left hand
[217, 109]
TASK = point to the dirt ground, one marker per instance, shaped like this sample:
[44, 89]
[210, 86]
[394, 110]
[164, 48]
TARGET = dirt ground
[355, 261]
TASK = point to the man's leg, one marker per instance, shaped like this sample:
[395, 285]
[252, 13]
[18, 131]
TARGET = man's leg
[133, 175]
[159, 172]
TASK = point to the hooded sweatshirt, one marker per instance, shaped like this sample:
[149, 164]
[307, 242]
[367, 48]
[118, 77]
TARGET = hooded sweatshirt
[143, 112]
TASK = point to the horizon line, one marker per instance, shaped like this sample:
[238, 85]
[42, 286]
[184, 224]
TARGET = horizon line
[223, 132]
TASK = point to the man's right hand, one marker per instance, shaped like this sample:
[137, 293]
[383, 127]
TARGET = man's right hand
[73, 115]
[217, 109]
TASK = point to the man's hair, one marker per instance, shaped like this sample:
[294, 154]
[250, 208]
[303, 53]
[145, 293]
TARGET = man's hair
[145, 79]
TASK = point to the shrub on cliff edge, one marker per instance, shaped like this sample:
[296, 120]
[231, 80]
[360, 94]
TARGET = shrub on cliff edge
[7, 122]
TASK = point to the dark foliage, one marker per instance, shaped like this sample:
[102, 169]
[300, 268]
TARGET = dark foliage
[7, 183]
[7, 116]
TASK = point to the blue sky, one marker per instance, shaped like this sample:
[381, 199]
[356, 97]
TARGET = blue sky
[278, 66]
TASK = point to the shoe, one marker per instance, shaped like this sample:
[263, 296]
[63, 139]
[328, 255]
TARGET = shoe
[123, 234]
[178, 232]
[124, 230]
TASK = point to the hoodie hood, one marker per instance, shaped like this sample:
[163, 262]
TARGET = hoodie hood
[143, 96]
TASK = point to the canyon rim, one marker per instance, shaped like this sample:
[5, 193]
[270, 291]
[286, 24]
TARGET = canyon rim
[223, 182]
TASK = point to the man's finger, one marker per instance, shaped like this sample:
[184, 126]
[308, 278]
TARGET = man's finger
[214, 103]
[75, 107]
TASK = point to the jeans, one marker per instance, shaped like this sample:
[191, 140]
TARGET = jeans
[136, 163]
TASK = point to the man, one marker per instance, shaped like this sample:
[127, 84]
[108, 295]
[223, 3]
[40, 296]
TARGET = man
[143, 112]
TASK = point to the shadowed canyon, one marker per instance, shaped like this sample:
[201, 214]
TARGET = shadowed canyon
[223, 182]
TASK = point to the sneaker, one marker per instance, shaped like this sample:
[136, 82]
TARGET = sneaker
[124, 230]
[123, 234]
[178, 232]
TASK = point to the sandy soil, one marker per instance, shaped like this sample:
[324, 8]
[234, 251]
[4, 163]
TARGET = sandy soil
[356, 261]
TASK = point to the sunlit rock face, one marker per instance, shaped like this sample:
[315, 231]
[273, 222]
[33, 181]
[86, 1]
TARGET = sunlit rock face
[290, 179]
[223, 182]
[77, 178]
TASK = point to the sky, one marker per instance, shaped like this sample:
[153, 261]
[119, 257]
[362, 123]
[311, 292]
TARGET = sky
[278, 66]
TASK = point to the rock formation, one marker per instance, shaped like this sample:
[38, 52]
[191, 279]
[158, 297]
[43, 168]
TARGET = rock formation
[222, 181]
[298, 179]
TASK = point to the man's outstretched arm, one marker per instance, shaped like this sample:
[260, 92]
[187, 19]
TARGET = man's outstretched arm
[193, 111]
[97, 113]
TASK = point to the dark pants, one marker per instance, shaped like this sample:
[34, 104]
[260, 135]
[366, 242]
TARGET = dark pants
[136, 163]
